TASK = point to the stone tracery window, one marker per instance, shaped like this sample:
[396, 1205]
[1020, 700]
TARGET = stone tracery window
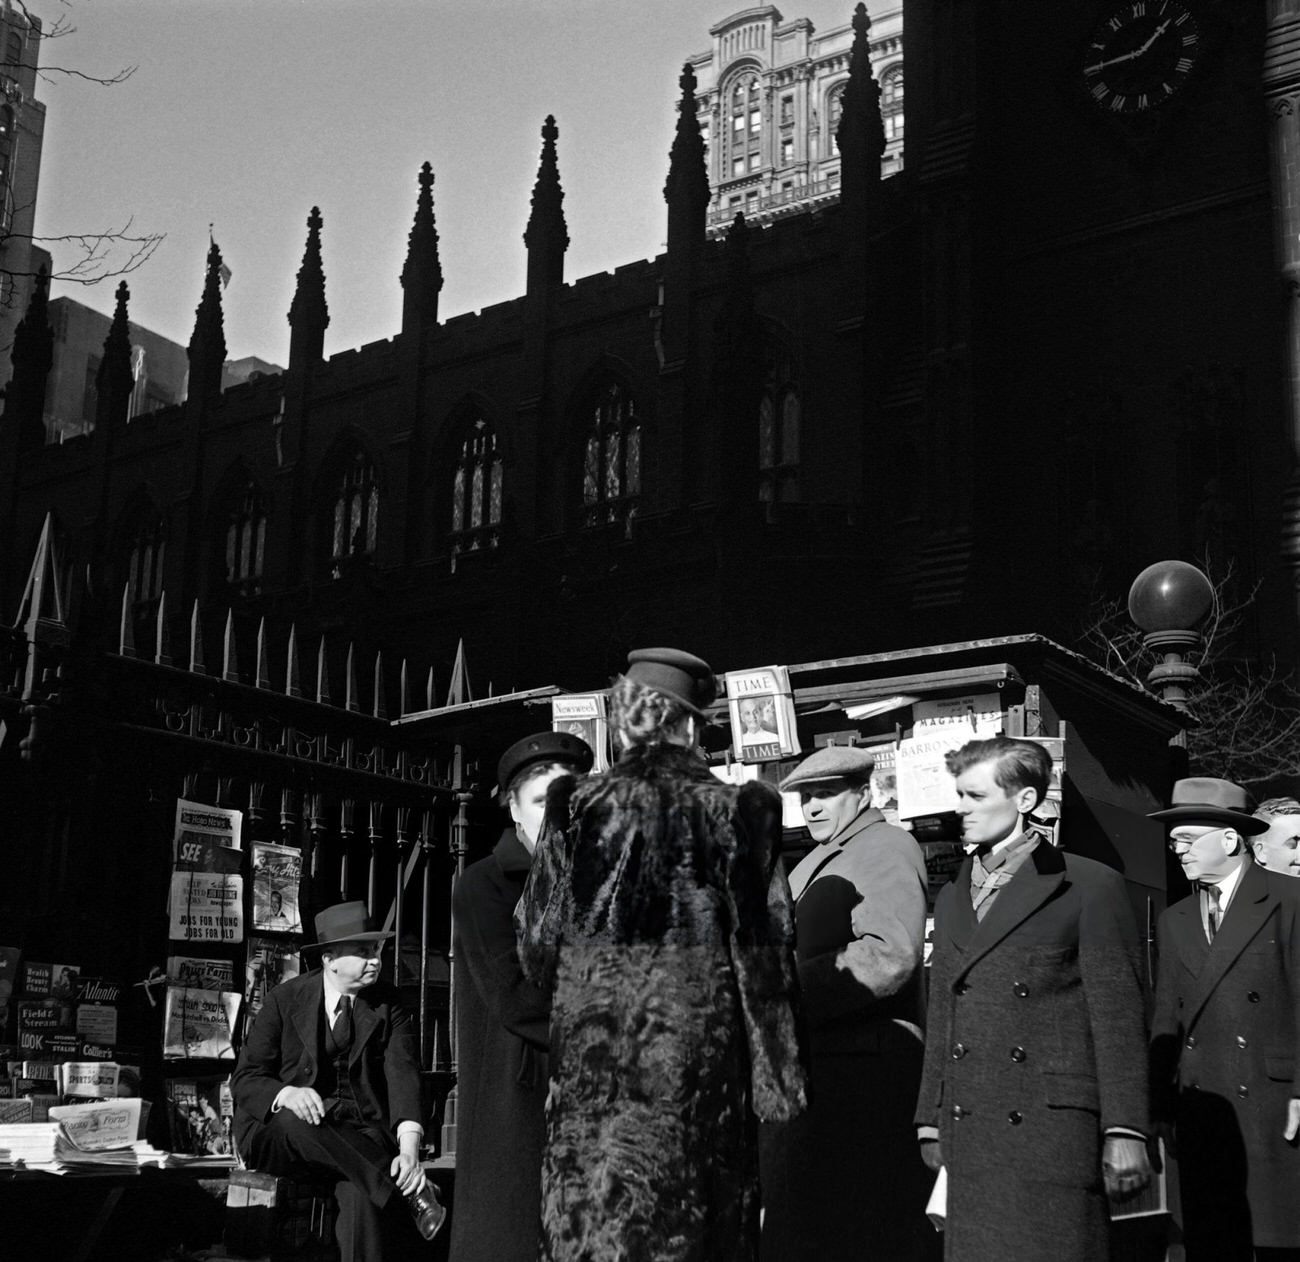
[611, 471]
[245, 538]
[476, 489]
[354, 511]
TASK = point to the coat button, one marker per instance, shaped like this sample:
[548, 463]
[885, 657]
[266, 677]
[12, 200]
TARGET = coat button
[1191, 1040]
[1241, 1040]
[1243, 1091]
[1252, 996]
[958, 1112]
[1015, 1117]
[1017, 1054]
[958, 1051]
[1021, 990]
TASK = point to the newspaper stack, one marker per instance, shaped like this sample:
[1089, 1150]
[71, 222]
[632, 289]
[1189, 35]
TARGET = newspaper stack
[28, 1143]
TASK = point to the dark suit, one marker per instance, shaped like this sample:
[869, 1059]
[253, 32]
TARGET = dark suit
[1034, 1048]
[1224, 1064]
[286, 1047]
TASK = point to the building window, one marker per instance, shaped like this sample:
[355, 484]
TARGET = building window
[145, 548]
[476, 490]
[834, 112]
[787, 151]
[779, 423]
[611, 470]
[245, 539]
[891, 103]
[355, 521]
[787, 109]
[746, 106]
[13, 53]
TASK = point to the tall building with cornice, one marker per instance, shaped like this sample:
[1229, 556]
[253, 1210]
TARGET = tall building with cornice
[770, 100]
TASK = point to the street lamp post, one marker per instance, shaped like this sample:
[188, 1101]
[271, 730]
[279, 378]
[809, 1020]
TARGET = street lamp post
[1169, 600]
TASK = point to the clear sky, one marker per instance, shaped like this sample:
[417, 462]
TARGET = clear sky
[246, 113]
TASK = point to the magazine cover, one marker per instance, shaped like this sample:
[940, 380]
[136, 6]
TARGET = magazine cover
[207, 907]
[276, 872]
[884, 781]
[196, 822]
[270, 962]
[199, 1023]
[199, 1113]
[762, 714]
[584, 715]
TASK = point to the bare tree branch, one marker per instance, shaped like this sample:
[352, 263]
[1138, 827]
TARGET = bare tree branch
[1247, 712]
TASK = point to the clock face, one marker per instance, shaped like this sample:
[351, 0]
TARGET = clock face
[1141, 56]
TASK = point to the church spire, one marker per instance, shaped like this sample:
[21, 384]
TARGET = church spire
[33, 356]
[422, 273]
[687, 187]
[207, 349]
[547, 235]
[309, 315]
[114, 381]
[861, 133]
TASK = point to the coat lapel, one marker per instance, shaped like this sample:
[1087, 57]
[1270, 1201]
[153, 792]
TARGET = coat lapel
[1038, 879]
[365, 1021]
[962, 923]
[1251, 906]
[307, 1012]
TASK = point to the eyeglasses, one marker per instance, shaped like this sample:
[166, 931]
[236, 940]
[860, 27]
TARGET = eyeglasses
[1179, 844]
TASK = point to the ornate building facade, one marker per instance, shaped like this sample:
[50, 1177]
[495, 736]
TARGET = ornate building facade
[770, 97]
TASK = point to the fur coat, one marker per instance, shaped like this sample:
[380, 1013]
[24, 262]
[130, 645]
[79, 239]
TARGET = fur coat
[658, 915]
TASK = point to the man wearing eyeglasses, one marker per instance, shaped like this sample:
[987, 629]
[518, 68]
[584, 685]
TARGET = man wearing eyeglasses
[1225, 1078]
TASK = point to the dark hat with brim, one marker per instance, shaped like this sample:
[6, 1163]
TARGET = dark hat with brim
[681, 676]
[345, 922]
[1208, 800]
[548, 747]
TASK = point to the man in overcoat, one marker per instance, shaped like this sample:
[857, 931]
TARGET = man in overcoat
[1033, 1093]
[1225, 1050]
[503, 1022]
[843, 1181]
[328, 1079]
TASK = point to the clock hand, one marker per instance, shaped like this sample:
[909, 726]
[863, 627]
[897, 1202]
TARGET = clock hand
[1135, 54]
[1151, 39]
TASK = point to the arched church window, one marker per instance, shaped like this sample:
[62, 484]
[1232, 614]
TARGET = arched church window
[780, 419]
[891, 102]
[476, 489]
[143, 553]
[244, 541]
[355, 509]
[834, 112]
[611, 471]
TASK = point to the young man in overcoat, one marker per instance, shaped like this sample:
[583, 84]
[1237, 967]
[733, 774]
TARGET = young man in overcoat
[1034, 1093]
[329, 1078]
[1225, 1048]
[503, 1022]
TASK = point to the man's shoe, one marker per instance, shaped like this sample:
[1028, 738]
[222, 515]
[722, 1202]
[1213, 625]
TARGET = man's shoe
[429, 1212]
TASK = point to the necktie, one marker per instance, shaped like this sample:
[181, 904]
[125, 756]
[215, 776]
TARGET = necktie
[1212, 912]
[343, 1023]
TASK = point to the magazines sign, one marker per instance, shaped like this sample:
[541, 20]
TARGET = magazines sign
[762, 714]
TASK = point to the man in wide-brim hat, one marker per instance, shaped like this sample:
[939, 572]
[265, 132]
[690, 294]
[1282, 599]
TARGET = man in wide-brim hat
[1226, 1032]
[329, 1077]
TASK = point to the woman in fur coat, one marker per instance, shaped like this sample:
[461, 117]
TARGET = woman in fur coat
[658, 915]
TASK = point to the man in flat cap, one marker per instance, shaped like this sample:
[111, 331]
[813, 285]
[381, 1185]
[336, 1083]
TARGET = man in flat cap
[1225, 1048]
[844, 1180]
[328, 1078]
[1034, 1095]
[503, 1021]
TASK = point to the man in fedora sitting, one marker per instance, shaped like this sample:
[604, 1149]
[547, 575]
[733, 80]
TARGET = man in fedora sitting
[328, 1079]
[1226, 1033]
